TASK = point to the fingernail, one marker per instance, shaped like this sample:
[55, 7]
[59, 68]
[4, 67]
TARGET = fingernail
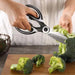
[36, 15]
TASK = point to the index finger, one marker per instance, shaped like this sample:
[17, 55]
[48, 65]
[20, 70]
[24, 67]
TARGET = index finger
[26, 23]
[32, 12]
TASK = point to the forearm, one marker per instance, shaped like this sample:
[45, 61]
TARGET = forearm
[4, 4]
[69, 7]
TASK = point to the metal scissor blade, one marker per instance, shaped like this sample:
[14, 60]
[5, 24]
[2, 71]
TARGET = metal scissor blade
[58, 36]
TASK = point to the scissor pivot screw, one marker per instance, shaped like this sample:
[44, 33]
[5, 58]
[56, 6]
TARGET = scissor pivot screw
[46, 29]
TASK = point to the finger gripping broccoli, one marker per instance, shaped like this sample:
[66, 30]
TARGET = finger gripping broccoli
[56, 63]
[38, 60]
[24, 64]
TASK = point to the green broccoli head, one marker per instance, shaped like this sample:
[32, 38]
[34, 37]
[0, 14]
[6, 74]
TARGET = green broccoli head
[62, 47]
[24, 64]
[70, 46]
[38, 60]
[56, 63]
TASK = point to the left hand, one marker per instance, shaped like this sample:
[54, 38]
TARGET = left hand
[66, 22]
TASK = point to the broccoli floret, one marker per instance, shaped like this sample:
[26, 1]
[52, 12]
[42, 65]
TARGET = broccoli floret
[38, 60]
[24, 64]
[56, 63]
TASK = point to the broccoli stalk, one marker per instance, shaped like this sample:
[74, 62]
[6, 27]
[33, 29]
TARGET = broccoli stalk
[13, 66]
[38, 60]
[24, 64]
[56, 63]
[61, 49]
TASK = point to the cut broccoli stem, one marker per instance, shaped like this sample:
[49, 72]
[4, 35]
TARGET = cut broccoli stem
[51, 69]
[13, 66]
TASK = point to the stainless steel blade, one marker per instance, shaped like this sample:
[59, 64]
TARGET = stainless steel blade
[58, 36]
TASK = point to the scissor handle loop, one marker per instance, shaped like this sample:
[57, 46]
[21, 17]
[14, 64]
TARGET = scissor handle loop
[32, 18]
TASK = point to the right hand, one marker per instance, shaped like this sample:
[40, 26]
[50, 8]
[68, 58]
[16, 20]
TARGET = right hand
[66, 22]
[17, 14]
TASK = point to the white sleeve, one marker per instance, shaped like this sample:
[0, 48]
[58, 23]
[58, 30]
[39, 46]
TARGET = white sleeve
[5, 26]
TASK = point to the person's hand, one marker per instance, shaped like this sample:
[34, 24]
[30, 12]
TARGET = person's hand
[17, 14]
[66, 22]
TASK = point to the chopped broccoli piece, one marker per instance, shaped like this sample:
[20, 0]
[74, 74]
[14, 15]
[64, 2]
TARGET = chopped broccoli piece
[56, 63]
[24, 64]
[38, 60]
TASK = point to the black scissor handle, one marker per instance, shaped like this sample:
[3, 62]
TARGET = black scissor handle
[37, 11]
[32, 18]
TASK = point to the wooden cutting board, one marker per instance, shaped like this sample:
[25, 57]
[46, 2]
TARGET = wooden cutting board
[43, 70]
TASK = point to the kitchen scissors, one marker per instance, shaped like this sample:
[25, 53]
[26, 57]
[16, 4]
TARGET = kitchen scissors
[43, 27]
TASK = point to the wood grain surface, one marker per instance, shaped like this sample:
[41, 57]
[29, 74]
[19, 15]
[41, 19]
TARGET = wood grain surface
[43, 70]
